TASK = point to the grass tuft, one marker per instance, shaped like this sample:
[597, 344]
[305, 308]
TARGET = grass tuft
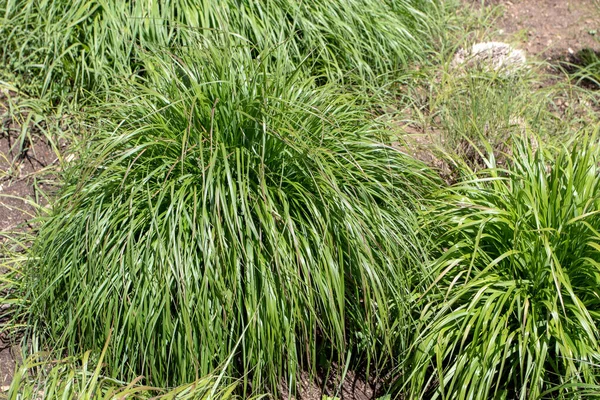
[230, 198]
[513, 311]
[41, 377]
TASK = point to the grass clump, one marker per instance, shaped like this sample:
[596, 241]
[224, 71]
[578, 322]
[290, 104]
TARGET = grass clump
[230, 201]
[513, 312]
[90, 43]
[455, 120]
[82, 378]
[586, 69]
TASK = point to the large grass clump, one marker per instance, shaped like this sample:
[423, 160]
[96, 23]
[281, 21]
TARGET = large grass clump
[514, 311]
[88, 43]
[231, 213]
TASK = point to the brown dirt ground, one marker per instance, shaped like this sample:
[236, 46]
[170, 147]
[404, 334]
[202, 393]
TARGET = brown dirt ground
[24, 168]
[21, 178]
[549, 29]
[354, 387]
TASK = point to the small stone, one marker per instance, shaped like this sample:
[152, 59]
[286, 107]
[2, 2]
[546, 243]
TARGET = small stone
[496, 56]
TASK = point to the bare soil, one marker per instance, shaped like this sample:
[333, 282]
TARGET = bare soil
[26, 162]
[549, 29]
[354, 387]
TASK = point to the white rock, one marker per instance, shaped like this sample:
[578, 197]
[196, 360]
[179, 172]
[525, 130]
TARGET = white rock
[495, 56]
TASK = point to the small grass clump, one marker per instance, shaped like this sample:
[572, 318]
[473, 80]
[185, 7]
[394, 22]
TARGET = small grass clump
[514, 308]
[586, 70]
[482, 108]
[230, 201]
[90, 44]
[458, 118]
[43, 377]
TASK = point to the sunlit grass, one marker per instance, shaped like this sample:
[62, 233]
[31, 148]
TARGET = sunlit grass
[459, 118]
[83, 43]
[233, 207]
[514, 308]
[43, 377]
[230, 197]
